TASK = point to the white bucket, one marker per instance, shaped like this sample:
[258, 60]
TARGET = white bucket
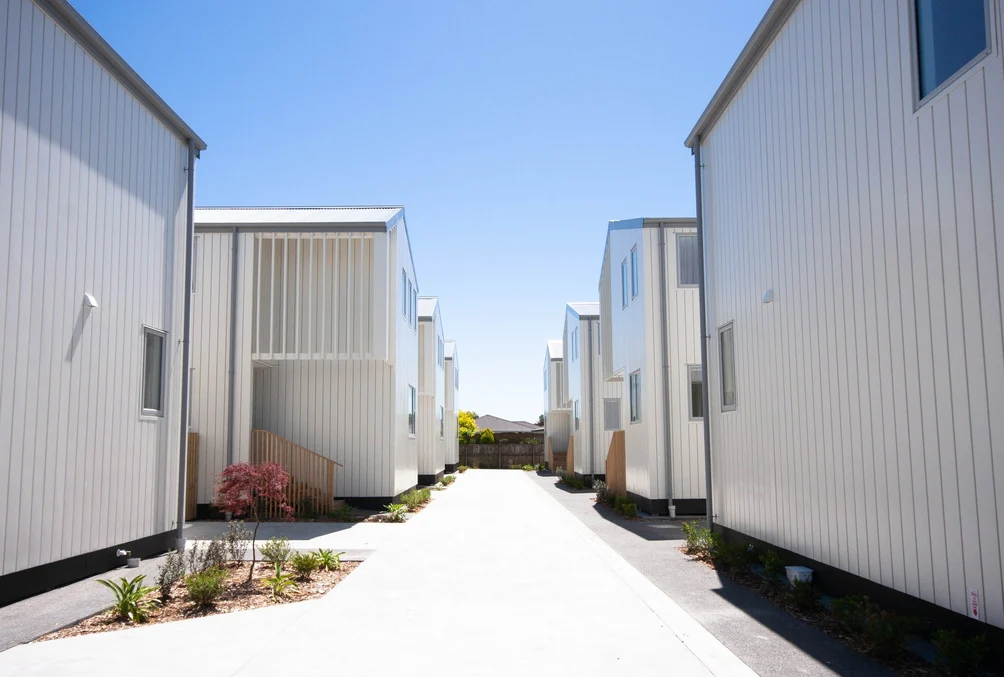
[132, 562]
[802, 574]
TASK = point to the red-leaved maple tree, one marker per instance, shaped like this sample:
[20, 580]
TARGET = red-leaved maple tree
[242, 487]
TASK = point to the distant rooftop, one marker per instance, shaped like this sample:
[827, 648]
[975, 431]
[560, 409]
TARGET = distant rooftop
[585, 309]
[361, 216]
[555, 348]
[500, 425]
[427, 306]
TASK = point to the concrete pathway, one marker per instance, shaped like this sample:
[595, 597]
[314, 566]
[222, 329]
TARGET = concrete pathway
[767, 638]
[357, 540]
[495, 577]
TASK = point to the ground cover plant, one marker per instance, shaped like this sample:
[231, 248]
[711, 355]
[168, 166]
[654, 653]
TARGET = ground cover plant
[416, 499]
[395, 512]
[448, 480]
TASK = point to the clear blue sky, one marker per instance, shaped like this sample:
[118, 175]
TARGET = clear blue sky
[510, 131]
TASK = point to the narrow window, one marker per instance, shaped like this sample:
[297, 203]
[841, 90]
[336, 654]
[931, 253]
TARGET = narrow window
[634, 272]
[545, 379]
[727, 350]
[950, 35]
[442, 423]
[153, 372]
[611, 413]
[634, 386]
[404, 293]
[624, 284]
[456, 378]
[411, 409]
[696, 392]
[576, 414]
[414, 307]
[195, 261]
[687, 261]
[407, 302]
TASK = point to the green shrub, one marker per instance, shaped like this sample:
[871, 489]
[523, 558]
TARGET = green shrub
[529, 467]
[395, 512]
[885, 633]
[304, 564]
[305, 508]
[852, 612]
[702, 542]
[486, 436]
[448, 480]
[172, 570]
[804, 595]
[214, 554]
[734, 556]
[276, 551]
[205, 587]
[773, 566]
[625, 507]
[280, 584]
[462, 468]
[958, 656]
[131, 598]
[416, 498]
[604, 494]
[346, 513]
[237, 539]
[328, 560]
[570, 480]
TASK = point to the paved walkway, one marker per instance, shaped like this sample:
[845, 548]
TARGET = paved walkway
[357, 540]
[495, 577]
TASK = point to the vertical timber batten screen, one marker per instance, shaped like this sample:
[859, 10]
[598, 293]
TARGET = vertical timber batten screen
[501, 456]
[311, 476]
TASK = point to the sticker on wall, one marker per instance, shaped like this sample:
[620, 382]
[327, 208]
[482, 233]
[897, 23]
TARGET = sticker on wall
[974, 603]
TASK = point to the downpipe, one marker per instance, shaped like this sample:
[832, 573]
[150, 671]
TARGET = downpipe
[705, 337]
[666, 409]
[179, 540]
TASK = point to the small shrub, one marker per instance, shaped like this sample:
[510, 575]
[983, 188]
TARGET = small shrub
[462, 468]
[395, 512]
[131, 598]
[276, 551]
[344, 514]
[205, 587]
[237, 540]
[958, 656]
[448, 480]
[604, 494]
[702, 542]
[804, 595]
[486, 436]
[416, 498]
[305, 508]
[304, 564]
[851, 612]
[280, 584]
[885, 633]
[773, 566]
[570, 480]
[172, 570]
[328, 560]
[625, 507]
[213, 554]
[734, 556]
[529, 467]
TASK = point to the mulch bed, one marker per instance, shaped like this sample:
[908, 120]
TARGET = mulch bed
[238, 596]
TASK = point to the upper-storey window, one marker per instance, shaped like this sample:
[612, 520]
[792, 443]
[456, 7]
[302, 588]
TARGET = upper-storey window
[634, 272]
[624, 284]
[951, 34]
[687, 260]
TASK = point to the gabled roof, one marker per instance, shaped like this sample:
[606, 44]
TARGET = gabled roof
[555, 349]
[501, 425]
[451, 349]
[347, 218]
[428, 307]
[585, 309]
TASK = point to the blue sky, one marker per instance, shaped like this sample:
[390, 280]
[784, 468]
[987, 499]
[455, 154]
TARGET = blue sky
[510, 131]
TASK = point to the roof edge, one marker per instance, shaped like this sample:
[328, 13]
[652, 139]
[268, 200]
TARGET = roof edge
[762, 37]
[82, 32]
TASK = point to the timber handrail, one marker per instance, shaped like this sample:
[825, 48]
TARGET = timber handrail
[311, 475]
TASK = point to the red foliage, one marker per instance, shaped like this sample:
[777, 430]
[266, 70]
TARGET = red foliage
[241, 485]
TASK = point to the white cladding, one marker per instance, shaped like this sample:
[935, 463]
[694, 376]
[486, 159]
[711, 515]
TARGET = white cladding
[431, 388]
[93, 193]
[633, 331]
[557, 422]
[867, 432]
[452, 391]
[326, 341]
[585, 388]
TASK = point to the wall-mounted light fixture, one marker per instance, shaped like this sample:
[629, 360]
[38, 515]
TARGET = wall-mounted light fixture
[90, 301]
[768, 296]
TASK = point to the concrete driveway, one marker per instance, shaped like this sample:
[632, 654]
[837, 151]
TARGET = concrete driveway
[493, 578]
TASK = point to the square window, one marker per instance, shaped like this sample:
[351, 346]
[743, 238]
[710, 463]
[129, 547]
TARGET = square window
[153, 372]
[696, 391]
[950, 35]
[727, 353]
[687, 261]
[634, 272]
[634, 388]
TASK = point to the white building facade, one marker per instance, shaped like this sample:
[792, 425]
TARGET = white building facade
[452, 390]
[96, 179]
[314, 311]
[586, 390]
[557, 415]
[431, 392]
[649, 304]
[851, 194]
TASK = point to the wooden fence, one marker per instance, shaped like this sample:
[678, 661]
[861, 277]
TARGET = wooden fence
[192, 476]
[311, 476]
[501, 455]
[616, 470]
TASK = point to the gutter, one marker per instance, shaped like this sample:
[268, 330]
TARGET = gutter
[663, 332]
[186, 348]
[705, 337]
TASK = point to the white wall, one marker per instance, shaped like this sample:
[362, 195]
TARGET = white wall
[93, 194]
[452, 391]
[587, 387]
[868, 431]
[431, 396]
[405, 351]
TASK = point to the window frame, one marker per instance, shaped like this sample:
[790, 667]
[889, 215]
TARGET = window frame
[404, 293]
[634, 272]
[575, 413]
[624, 284]
[144, 411]
[412, 411]
[442, 422]
[691, 368]
[679, 268]
[634, 396]
[921, 102]
[730, 327]
[617, 402]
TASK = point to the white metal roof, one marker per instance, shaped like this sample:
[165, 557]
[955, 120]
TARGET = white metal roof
[585, 309]
[348, 216]
[427, 306]
[555, 348]
[451, 348]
